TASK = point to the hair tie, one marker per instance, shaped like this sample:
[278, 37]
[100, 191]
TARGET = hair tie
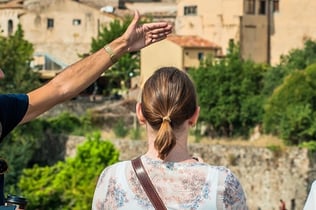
[166, 118]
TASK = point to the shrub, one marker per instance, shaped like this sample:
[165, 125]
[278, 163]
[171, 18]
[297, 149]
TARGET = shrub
[120, 129]
[311, 146]
[276, 149]
[229, 93]
[136, 133]
[290, 112]
[70, 184]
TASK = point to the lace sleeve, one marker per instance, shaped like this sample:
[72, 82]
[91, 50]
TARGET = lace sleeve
[231, 192]
[101, 188]
[110, 193]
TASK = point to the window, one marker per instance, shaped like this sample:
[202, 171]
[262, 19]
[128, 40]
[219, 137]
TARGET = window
[200, 56]
[76, 22]
[190, 10]
[10, 27]
[276, 6]
[250, 7]
[262, 7]
[50, 23]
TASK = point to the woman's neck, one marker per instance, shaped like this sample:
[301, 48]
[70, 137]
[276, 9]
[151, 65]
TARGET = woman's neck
[179, 153]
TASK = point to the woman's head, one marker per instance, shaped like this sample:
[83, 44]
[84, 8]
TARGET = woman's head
[168, 100]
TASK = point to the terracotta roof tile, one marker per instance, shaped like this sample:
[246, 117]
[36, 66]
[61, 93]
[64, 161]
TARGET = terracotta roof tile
[192, 41]
[16, 4]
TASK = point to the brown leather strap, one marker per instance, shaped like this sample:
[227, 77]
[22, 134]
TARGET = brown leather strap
[147, 184]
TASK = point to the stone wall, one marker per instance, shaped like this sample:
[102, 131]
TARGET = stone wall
[267, 176]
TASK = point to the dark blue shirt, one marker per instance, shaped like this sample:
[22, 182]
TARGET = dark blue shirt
[12, 109]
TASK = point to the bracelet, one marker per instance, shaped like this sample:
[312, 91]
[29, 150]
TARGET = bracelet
[110, 52]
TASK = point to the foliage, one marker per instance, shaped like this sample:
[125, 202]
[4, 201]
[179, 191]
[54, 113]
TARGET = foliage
[18, 149]
[229, 92]
[69, 184]
[135, 133]
[36, 141]
[15, 57]
[197, 133]
[275, 149]
[296, 59]
[291, 110]
[299, 59]
[65, 122]
[120, 129]
[233, 159]
[311, 146]
[126, 67]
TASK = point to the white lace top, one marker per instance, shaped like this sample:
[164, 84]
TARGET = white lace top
[180, 186]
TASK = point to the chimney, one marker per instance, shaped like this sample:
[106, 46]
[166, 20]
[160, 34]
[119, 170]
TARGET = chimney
[121, 4]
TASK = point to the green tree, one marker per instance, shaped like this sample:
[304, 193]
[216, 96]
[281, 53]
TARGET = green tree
[69, 184]
[229, 93]
[127, 66]
[18, 149]
[36, 141]
[299, 59]
[15, 57]
[291, 110]
[296, 59]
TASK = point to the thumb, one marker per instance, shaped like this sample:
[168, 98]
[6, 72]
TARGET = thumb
[136, 18]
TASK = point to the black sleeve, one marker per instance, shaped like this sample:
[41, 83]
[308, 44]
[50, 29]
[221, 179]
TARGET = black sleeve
[12, 109]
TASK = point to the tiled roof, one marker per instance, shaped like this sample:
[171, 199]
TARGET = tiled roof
[100, 3]
[192, 41]
[144, 7]
[13, 4]
[154, 8]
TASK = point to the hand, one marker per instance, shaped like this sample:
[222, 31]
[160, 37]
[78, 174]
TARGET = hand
[140, 36]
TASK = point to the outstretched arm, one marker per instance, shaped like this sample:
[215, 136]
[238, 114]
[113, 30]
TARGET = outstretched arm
[81, 74]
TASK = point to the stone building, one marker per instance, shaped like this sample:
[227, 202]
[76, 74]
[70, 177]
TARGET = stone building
[266, 29]
[271, 28]
[61, 30]
[215, 20]
[179, 51]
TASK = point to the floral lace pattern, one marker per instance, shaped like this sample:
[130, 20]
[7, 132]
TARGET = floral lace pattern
[180, 185]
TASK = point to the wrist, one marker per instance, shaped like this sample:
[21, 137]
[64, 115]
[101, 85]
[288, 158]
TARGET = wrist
[116, 49]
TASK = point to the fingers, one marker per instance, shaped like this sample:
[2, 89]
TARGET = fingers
[156, 32]
[158, 26]
[161, 30]
[153, 40]
[158, 35]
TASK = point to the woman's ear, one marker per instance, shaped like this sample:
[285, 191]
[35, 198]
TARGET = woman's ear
[139, 113]
[195, 116]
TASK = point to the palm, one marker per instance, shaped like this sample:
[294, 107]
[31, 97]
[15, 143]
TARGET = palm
[139, 36]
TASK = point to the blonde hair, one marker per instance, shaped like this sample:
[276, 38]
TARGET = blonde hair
[168, 99]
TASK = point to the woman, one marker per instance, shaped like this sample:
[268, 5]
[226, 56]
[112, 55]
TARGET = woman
[168, 109]
[20, 108]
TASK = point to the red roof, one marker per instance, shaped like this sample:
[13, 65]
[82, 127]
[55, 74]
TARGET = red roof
[192, 41]
[13, 4]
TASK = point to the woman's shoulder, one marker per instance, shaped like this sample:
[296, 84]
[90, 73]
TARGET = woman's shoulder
[225, 174]
[116, 166]
[221, 170]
